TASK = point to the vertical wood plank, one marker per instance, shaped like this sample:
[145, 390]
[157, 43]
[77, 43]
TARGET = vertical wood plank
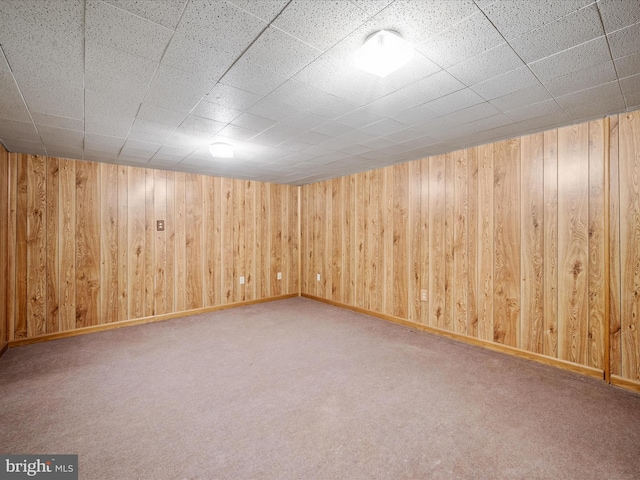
[400, 253]
[275, 203]
[485, 242]
[170, 230]
[193, 240]
[629, 165]
[136, 191]
[226, 218]
[472, 242]
[550, 242]
[424, 239]
[52, 253]
[263, 244]
[180, 265]
[250, 240]
[372, 254]
[506, 302]
[304, 240]
[615, 299]
[437, 259]
[413, 241]
[294, 226]
[108, 243]
[160, 242]
[460, 242]
[211, 228]
[337, 259]
[21, 248]
[532, 226]
[87, 244]
[573, 205]
[449, 221]
[36, 245]
[387, 253]
[5, 190]
[149, 244]
[365, 236]
[238, 240]
[360, 236]
[123, 243]
[349, 240]
[596, 209]
[327, 279]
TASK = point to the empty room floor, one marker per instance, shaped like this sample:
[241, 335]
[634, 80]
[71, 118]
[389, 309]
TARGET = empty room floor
[299, 389]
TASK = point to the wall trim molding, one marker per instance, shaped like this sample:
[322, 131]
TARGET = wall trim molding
[536, 357]
[625, 383]
[139, 321]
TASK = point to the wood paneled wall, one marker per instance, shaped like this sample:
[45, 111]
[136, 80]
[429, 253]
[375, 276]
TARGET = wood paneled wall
[501, 242]
[84, 249]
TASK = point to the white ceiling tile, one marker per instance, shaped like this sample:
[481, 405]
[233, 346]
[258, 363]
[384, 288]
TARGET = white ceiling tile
[547, 107]
[582, 79]
[64, 152]
[617, 14]
[430, 88]
[236, 27]
[332, 129]
[455, 101]
[18, 130]
[509, 82]
[632, 100]
[54, 99]
[527, 96]
[320, 24]
[471, 36]
[599, 93]
[272, 109]
[630, 84]
[24, 146]
[355, 149]
[416, 115]
[103, 143]
[61, 136]
[312, 138]
[253, 122]
[629, 65]
[98, 104]
[280, 52]
[159, 115]
[490, 63]
[238, 133]
[372, 7]
[55, 121]
[206, 59]
[264, 9]
[293, 145]
[383, 127]
[136, 35]
[475, 112]
[252, 78]
[231, 97]
[517, 17]
[317, 150]
[566, 32]
[392, 104]
[200, 125]
[115, 127]
[149, 131]
[572, 60]
[304, 120]
[405, 135]
[359, 118]
[216, 112]
[12, 106]
[377, 143]
[625, 42]
[163, 12]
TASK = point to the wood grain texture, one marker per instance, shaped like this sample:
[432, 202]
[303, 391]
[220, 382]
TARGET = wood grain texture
[414, 192]
[136, 192]
[170, 228]
[36, 245]
[437, 258]
[387, 214]
[336, 240]
[550, 241]
[506, 300]
[108, 242]
[149, 245]
[158, 211]
[449, 232]
[250, 240]
[460, 242]
[615, 353]
[275, 228]
[573, 247]
[629, 165]
[5, 190]
[238, 240]
[532, 235]
[67, 242]
[52, 244]
[193, 241]
[424, 241]
[472, 242]
[20, 326]
[180, 263]
[401, 259]
[485, 242]
[226, 219]
[349, 240]
[596, 229]
[123, 243]
[11, 217]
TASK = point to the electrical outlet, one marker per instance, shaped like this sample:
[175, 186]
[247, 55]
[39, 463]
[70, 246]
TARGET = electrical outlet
[423, 295]
[279, 276]
[318, 277]
[160, 225]
[241, 280]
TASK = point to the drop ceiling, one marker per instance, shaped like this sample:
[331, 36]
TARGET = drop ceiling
[153, 83]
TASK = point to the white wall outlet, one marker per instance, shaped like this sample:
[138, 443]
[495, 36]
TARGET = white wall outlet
[318, 277]
[241, 280]
[423, 296]
[279, 275]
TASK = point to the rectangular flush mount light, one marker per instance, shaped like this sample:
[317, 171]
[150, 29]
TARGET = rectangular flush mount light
[383, 52]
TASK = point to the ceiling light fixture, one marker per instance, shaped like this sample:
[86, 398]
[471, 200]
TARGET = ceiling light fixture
[383, 52]
[221, 150]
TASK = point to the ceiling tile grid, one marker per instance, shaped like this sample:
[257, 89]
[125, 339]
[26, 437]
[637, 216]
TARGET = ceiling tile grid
[149, 83]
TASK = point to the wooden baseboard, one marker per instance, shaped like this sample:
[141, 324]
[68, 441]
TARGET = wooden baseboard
[4, 348]
[536, 357]
[625, 383]
[138, 321]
